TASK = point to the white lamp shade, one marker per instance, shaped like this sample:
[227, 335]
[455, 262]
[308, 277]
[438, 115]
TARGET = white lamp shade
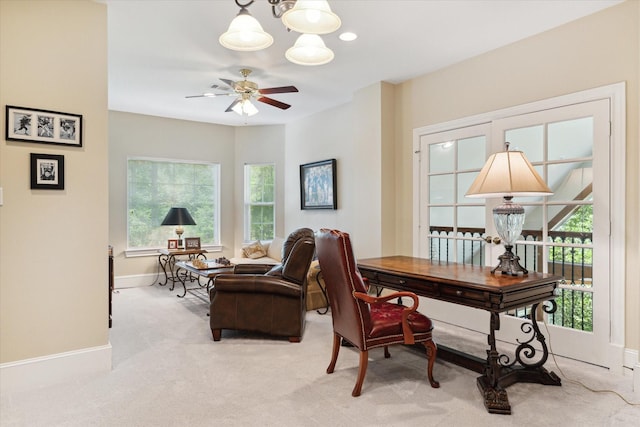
[311, 17]
[309, 49]
[508, 173]
[245, 34]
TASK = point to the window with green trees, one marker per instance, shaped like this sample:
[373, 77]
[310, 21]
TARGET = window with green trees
[154, 186]
[259, 201]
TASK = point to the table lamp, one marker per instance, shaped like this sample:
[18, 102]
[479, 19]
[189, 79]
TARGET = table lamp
[507, 174]
[179, 217]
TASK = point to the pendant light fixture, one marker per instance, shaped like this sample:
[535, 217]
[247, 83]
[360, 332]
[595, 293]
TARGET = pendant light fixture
[309, 17]
[245, 32]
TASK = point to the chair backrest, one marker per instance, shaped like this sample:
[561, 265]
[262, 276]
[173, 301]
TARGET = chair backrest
[351, 317]
[296, 266]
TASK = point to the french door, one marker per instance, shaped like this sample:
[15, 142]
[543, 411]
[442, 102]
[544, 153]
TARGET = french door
[566, 234]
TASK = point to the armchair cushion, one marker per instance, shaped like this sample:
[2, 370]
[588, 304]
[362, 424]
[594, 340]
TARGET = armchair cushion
[386, 319]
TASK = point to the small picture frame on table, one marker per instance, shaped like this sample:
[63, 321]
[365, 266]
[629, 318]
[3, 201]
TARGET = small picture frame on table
[43, 126]
[173, 244]
[192, 243]
[47, 172]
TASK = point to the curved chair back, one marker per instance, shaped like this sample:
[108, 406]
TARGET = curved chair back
[351, 317]
[296, 267]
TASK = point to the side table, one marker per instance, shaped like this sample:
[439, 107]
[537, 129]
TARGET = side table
[167, 261]
[209, 271]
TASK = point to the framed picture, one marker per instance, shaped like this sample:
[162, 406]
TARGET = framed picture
[192, 243]
[173, 244]
[318, 186]
[47, 172]
[43, 126]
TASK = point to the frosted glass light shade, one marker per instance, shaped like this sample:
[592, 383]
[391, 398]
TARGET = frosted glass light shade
[311, 17]
[245, 34]
[309, 49]
[245, 107]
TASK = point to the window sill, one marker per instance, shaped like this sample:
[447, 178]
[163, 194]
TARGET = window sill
[147, 252]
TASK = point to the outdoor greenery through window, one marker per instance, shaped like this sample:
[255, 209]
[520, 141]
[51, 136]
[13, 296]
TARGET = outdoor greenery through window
[154, 186]
[259, 201]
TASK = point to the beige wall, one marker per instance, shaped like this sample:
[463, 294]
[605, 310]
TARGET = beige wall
[53, 244]
[597, 50]
[136, 135]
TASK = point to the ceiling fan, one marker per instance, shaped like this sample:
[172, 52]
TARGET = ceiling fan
[244, 90]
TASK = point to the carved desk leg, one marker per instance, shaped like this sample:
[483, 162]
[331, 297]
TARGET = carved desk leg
[495, 396]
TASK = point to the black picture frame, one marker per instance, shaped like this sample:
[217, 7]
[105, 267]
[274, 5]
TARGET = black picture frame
[47, 172]
[43, 126]
[192, 243]
[318, 185]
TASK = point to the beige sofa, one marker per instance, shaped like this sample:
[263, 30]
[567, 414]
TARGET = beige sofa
[248, 255]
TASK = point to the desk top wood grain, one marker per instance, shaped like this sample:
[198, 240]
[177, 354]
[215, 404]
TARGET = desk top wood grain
[469, 276]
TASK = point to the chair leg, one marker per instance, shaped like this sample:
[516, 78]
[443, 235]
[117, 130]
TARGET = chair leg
[334, 353]
[362, 370]
[216, 334]
[386, 352]
[432, 350]
[295, 339]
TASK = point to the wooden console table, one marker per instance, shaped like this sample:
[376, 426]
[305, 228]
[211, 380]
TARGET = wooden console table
[476, 287]
[167, 261]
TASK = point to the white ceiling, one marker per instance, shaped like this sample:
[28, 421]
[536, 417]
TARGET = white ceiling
[161, 51]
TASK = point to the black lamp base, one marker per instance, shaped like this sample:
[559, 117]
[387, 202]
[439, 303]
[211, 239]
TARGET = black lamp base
[509, 264]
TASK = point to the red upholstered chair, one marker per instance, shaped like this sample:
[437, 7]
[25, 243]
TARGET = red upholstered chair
[365, 321]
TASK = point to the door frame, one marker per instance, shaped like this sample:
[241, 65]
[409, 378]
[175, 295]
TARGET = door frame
[616, 94]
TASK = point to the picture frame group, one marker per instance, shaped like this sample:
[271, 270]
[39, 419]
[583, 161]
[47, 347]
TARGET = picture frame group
[172, 244]
[192, 243]
[318, 185]
[43, 126]
[47, 171]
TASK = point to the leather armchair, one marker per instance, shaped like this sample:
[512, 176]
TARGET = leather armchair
[272, 303]
[363, 320]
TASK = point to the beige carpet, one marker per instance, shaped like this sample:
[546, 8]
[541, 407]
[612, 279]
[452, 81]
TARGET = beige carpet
[167, 371]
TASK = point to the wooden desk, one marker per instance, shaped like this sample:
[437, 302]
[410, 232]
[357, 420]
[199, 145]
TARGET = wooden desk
[167, 260]
[476, 287]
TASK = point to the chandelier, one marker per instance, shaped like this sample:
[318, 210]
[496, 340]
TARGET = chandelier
[311, 18]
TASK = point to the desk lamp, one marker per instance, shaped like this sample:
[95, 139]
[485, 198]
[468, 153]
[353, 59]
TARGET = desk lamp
[179, 217]
[508, 174]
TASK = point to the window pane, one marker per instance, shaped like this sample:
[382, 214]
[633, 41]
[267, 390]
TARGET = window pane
[570, 181]
[471, 153]
[529, 140]
[441, 157]
[571, 139]
[156, 186]
[441, 217]
[441, 189]
[259, 202]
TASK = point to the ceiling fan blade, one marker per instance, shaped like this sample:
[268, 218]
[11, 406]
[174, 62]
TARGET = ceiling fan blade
[282, 89]
[229, 83]
[196, 96]
[273, 102]
[233, 104]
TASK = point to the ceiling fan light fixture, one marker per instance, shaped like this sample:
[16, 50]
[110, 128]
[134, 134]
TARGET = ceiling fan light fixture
[311, 17]
[245, 107]
[309, 49]
[245, 34]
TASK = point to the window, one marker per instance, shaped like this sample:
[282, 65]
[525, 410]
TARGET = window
[154, 186]
[259, 201]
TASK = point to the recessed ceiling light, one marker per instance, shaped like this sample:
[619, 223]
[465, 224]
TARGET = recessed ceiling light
[348, 36]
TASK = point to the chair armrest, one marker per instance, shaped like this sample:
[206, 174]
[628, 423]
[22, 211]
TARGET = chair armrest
[406, 329]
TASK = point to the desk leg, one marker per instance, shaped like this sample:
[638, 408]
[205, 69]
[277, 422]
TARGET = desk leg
[526, 366]
[163, 260]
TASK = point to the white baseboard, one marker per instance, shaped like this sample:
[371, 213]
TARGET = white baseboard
[43, 371]
[137, 280]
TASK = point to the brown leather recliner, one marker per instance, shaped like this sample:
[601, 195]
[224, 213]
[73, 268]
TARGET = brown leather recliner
[272, 303]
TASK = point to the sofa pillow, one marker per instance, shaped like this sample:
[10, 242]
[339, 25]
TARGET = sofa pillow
[254, 250]
[275, 248]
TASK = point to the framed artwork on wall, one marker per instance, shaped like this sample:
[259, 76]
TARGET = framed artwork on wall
[318, 185]
[47, 172]
[43, 126]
